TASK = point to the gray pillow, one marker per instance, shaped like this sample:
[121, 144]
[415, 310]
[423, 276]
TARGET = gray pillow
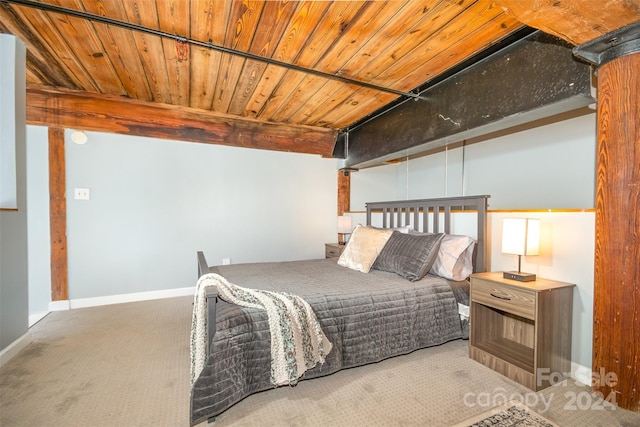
[409, 255]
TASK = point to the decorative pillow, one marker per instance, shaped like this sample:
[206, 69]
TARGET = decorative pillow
[409, 255]
[455, 257]
[406, 229]
[363, 248]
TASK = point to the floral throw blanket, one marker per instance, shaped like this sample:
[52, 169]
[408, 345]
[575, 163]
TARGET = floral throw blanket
[297, 340]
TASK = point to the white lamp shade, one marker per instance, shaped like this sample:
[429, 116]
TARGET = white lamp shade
[521, 236]
[344, 224]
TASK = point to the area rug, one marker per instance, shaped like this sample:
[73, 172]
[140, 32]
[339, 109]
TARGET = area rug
[511, 414]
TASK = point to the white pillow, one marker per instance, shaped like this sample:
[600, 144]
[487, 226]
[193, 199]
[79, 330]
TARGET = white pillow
[405, 229]
[363, 248]
[455, 257]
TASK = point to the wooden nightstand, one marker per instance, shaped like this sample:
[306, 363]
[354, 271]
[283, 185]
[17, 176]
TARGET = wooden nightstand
[521, 329]
[333, 250]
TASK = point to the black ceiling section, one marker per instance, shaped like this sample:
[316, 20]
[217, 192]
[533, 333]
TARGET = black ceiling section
[621, 42]
[340, 147]
[532, 78]
[518, 35]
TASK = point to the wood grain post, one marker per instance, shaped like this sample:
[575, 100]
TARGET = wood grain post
[344, 193]
[616, 318]
[58, 216]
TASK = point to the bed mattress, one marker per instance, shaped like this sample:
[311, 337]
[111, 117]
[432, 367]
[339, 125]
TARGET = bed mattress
[367, 318]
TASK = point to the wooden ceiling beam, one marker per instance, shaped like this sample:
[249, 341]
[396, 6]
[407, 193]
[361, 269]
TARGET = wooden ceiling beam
[574, 21]
[116, 114]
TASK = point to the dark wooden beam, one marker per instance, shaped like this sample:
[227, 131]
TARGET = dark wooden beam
[115, 114]
[58, 216]
[534, 78]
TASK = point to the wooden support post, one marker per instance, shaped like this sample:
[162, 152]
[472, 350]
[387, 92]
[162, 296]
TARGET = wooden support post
[344, 193]
[616, 319]
[58, 216]
[616, 307]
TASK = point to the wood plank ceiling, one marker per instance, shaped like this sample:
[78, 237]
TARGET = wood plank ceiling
[194, 69]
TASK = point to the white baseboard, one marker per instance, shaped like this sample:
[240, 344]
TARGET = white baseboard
[122, 298]
[35, 318]
[59, 305]
[581, 373]
[14, 348]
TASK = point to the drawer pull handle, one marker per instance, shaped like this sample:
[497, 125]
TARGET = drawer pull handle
[499, 297]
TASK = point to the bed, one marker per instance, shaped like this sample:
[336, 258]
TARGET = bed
[388, 311]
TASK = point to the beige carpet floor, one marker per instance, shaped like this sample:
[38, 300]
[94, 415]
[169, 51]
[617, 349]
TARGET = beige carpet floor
[128, 365]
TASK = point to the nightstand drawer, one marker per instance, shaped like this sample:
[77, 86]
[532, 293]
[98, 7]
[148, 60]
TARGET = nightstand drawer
[521, 302]
[333, 250]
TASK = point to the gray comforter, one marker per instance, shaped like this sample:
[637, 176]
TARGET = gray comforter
[367, 317]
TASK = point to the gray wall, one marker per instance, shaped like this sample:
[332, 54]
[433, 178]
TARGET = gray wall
[549, 166]
[38, 223]
[154, 203]
[13, 224]
[9, 50]
[552, 166]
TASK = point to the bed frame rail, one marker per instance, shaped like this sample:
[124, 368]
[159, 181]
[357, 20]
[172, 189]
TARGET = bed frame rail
[416, 212]
[212, 299]
[203, 267]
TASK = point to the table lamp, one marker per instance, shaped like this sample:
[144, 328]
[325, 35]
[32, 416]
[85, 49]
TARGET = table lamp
[344, 227]
[520, 236]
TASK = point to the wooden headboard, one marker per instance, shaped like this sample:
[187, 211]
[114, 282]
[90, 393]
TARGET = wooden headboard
[425, 215]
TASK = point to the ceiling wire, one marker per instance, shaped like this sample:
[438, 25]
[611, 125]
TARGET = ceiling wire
[407, 177]
[464, 146]
[446, 169]
[208, 45]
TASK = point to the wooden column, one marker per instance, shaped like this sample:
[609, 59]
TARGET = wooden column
[58, 216]
[344, 191]
[616, 311]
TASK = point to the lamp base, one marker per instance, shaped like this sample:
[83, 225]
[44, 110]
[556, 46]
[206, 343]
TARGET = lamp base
[519, 276]
[342, 238]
